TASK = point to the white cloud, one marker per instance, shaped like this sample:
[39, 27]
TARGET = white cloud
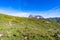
[14, 12]
[55, 12]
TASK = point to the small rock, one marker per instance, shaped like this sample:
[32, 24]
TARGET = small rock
[1, 35]
[26, 37]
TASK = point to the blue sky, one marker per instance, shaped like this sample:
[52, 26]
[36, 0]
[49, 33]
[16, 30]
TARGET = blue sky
[46, 8]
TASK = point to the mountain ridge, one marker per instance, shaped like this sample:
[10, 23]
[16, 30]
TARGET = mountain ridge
[21, 28]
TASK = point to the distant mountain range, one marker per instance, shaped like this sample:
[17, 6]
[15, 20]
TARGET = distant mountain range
[56, 19]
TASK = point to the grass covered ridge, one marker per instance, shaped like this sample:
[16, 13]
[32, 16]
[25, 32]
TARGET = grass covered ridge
[20, 28]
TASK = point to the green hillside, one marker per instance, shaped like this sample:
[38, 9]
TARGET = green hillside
[21, 28]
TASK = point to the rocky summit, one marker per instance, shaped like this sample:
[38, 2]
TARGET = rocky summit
[36, 16]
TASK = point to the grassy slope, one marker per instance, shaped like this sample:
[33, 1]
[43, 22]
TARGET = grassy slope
[17, 28]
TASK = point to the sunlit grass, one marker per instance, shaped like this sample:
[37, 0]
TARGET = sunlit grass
[17, 28]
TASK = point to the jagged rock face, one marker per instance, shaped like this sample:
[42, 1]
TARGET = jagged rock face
[36, 16]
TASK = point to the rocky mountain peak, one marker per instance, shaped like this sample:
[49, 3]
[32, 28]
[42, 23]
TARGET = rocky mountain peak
[36, 16]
